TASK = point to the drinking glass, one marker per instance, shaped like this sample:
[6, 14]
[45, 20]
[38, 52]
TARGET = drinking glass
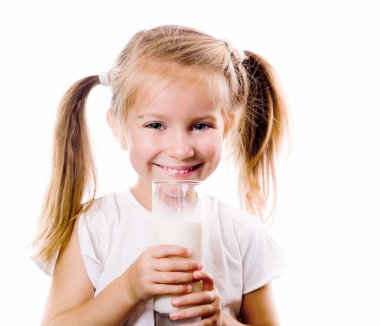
[178, 209]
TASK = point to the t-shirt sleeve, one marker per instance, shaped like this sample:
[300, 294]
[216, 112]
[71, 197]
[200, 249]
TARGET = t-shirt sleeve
[47, 266]
[89, 242]
[263, 259]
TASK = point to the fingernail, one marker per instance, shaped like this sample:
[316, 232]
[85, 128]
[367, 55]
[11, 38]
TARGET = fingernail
[175, 302]
[174, 315]
[189, 252]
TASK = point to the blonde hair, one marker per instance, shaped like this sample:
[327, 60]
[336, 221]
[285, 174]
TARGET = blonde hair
[167, 53]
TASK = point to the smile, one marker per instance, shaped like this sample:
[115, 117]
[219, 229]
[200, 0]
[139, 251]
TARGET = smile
[179, 170]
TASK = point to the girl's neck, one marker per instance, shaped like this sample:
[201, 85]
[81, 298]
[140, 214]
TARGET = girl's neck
[143, 194]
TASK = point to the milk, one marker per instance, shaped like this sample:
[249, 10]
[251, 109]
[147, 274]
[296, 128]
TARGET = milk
[183, 232]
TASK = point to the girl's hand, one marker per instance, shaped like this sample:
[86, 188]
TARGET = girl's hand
[155, 272]
[207, 304]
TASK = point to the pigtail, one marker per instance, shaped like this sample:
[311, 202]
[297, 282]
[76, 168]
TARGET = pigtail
[259, 134]
[73, 171]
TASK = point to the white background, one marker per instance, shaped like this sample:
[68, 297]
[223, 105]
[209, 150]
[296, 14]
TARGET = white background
[326, 55]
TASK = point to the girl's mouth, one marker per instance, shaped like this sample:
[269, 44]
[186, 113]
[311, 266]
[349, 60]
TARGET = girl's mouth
[180, 171]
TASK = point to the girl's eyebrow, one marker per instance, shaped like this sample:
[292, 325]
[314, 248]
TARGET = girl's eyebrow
[150, 115]
[162, 116]
[211, 117]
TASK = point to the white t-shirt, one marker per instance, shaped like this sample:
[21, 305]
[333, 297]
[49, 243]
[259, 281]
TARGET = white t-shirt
[238, 252]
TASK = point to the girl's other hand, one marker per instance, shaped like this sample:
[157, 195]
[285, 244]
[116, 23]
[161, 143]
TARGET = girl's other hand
[155, 272]
[207, 304]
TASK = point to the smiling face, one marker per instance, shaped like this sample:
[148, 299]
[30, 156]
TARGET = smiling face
[174, 131]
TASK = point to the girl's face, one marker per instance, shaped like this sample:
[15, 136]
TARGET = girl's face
[173, 132]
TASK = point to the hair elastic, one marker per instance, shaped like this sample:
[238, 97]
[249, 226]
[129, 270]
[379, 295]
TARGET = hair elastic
[231, 48]
[104, 79]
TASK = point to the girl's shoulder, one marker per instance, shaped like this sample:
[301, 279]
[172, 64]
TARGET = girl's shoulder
[103, 211]
[104, 204]
[234, 217]
[98, 219]
[112, 208]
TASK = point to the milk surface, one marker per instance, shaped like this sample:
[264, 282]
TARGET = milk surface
[183, 232]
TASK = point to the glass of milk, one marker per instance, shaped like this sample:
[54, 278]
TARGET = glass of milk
[178, 209]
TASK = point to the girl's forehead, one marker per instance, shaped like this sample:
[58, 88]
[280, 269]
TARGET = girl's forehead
[166, 95]
[156, 79]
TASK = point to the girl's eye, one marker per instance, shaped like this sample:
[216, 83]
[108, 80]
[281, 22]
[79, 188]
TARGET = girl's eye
[155, 125]
[201, 127]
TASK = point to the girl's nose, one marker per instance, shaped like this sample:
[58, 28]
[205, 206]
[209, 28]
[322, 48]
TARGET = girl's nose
[180, 147]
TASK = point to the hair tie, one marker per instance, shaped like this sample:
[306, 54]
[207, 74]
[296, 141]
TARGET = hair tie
[241, 55]
[231, 48]
[104, 79]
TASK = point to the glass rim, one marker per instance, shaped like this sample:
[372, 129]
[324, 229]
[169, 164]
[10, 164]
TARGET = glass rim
[178, 182]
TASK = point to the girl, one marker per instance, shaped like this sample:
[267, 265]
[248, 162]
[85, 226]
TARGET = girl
[177, 94]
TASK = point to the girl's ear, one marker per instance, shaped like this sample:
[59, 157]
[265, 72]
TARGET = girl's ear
[229, 122]
[112, 123]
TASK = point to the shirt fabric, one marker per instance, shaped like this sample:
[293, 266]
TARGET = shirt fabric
[238, 252]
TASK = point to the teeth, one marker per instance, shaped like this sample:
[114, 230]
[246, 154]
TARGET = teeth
[174, 171]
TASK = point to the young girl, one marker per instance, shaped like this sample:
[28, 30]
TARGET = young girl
[177, 94]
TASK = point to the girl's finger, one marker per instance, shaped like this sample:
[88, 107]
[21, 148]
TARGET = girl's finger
[196, 298]
[191, 312]
[164, 251]
[178, 289]
[173, 277]
[207, 280]
[170, 264]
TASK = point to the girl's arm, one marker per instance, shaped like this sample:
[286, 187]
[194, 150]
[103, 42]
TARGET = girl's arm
[71, 298]
[258, 308]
